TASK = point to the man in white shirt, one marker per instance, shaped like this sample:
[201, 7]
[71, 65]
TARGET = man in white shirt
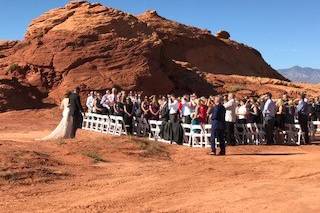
[109, 99]
[231, 118]
[173, 106]
[89, 102]
[187, 109]
[269, 114]
[104, 101]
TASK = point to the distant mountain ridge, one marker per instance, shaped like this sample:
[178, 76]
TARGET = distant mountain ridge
[301, 74]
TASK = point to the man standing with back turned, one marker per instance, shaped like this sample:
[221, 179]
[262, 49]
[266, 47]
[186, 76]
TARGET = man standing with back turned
[218, 126]
[76, 111]
[269, 114]
[231, 118]
[303, 117]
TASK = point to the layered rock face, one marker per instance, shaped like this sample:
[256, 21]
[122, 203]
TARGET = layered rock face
[98, 47]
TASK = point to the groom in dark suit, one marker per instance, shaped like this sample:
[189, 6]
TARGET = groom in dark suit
[76, 111]
[218, 126]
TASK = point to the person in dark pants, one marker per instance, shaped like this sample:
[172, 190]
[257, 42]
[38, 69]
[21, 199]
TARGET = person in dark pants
[231, 118]
[173, 106]
[303, 117]
[269, 114]
[218, 126]
[76, 111]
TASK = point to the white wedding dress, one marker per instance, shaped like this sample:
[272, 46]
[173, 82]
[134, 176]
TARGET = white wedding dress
[63, 130]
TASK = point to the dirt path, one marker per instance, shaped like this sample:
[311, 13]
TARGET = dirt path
[98, 173]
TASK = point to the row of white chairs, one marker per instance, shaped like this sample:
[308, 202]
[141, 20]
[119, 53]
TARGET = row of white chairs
[113, 125]
[254, 134]
[251, 133]
[194, 135]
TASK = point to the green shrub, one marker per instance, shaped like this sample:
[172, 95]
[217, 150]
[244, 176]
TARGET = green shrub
[236, 88]
[95, 157]
[13, 67]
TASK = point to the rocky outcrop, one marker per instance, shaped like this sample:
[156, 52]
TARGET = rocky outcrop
[223, 34]
[98, 47]
[18, 95]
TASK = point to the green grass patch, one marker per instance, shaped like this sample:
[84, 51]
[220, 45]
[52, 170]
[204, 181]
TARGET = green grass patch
[95, 157]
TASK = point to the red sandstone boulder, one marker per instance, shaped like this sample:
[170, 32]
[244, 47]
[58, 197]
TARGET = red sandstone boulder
[223, 34]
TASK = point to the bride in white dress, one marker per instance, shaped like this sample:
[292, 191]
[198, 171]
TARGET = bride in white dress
[63, 130]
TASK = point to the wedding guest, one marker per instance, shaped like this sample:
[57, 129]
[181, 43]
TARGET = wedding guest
[132, 96]
[111, 100]
[137, 112]
[289, 112]
[254, 114]
[210, 104]
[317, 108]
[303, 113]
[105, 102]
[187, 109]
[242, 112]
[145, 108]
[173, 106]
[164, 110]
[118, 106]
[128, 114]
[97, 107]
[89, 102]
[154, 109]
[269, 113]
[230, 118]
[201, 111]
[218, 127]
[280, 114]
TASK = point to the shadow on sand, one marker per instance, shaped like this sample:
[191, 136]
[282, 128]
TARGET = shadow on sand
[266, 154]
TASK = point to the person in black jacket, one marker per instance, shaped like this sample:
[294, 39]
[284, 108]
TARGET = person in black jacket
[164, 110]
[218, 126]
[76, 111]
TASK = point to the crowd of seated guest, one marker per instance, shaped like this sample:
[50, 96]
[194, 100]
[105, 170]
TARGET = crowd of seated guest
[191, 109]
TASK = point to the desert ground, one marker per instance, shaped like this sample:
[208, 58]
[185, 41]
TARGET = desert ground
[100, 173]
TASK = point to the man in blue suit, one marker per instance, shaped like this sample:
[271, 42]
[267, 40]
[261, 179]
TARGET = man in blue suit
[218, 126]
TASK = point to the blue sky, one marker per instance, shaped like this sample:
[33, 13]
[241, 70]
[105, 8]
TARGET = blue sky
[286, 32]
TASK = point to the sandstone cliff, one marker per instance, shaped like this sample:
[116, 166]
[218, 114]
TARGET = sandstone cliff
[98, 47]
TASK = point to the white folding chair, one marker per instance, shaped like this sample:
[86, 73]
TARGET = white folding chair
[312, 130]
[294, 134]
[261, 133]
[251, 134]
[317, 126]
[113, 124]
[187, 134]
[98, 123]
[85, 122]
[240, 133]
[154, 129]
[94, 122]
[105, 124]
[197, 136]
[120, 127]
[207, 135]
[89, 120]
[299, 134]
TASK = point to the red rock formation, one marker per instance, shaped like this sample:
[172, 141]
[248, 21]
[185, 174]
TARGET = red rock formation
[99, 47]
[223, 35]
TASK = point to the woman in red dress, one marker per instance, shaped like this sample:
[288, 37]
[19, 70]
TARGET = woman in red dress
[201, 111]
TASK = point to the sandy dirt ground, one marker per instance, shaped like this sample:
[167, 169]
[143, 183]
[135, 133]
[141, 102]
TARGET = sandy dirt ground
[100, 173]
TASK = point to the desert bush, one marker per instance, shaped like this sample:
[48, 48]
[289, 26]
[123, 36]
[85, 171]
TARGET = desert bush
[13, 67]
[153, 149]
[95, 157]
[236, 88]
